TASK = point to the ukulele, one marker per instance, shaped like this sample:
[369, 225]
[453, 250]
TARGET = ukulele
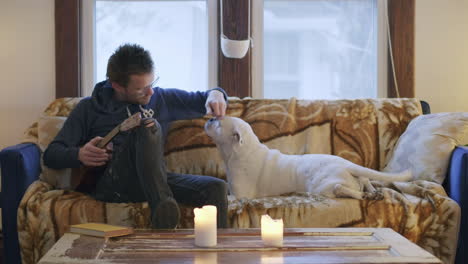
[127, 124]
[86, 178]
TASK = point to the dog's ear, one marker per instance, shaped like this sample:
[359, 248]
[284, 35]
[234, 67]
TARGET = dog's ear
[237, 137]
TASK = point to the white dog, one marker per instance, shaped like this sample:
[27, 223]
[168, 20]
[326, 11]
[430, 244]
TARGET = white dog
[253, 170]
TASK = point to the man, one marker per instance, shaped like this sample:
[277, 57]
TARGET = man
[133, 170]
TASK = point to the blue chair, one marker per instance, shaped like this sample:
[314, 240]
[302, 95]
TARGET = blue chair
[456, 185]
[20, 165]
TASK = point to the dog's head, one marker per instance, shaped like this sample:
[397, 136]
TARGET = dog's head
[230, 132]
[235, 141]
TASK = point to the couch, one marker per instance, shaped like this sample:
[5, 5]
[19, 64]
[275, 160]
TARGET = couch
[39, 203]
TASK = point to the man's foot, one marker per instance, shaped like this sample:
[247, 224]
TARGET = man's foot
[166, 214]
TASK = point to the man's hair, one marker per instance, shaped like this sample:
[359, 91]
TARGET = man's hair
[128, 59]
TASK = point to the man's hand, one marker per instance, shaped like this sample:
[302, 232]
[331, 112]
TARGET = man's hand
[215, 104]
[148, 122]
[92, 156]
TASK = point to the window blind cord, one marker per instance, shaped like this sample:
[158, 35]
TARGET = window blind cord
[397, 90]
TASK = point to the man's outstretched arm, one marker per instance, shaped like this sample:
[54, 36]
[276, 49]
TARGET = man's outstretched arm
[188, 105]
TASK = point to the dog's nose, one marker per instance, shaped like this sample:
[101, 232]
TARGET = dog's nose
[212, 119]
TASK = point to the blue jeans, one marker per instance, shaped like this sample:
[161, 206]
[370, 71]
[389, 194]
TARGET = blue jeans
[137, 173]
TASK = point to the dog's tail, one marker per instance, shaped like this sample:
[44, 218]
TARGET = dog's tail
[359, 171]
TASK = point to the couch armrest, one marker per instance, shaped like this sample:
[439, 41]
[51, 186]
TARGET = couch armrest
[21, 166]
[456, 186]
[457, 181]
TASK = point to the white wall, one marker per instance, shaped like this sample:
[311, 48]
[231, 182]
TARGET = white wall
[441, 70]
[27, 64]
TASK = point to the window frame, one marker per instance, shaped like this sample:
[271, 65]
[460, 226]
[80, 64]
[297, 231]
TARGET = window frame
[67, 48]
[88, 42]
[233, 75]
[257, 53]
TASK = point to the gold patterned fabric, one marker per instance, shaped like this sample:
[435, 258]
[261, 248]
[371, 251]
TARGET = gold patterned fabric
[363, 131]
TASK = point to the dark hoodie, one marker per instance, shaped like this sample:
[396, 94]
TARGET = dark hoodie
[99, 114]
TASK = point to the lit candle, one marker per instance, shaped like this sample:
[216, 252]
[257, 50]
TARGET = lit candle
[272, 231]
[205, 226]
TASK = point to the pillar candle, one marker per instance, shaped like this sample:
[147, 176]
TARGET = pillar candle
[272, 231]
[205, 226]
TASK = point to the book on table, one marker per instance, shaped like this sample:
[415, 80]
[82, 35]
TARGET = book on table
[101, 230]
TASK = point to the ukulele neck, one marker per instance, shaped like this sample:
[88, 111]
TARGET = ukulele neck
[109, 137]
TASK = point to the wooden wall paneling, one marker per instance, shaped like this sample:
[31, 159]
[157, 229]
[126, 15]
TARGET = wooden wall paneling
[401, 21]
[235, 74]
[67, 48]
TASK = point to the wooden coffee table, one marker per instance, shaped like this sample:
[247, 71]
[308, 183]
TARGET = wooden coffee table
[301, 245]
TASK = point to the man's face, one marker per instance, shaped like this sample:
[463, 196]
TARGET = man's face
[139, 89]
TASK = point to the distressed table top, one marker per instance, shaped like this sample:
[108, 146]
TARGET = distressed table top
[301, 245]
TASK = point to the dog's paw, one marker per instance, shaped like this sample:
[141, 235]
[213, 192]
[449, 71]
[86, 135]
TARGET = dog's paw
[377, 195]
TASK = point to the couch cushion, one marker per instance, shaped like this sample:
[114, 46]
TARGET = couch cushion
[427, 144]
[44, 130]
[48, 127]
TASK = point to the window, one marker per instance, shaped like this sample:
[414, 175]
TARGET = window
[175, 32]
[320, 49]
[310, 49]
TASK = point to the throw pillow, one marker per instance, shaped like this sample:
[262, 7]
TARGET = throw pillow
[427, 144]
[48, 127]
